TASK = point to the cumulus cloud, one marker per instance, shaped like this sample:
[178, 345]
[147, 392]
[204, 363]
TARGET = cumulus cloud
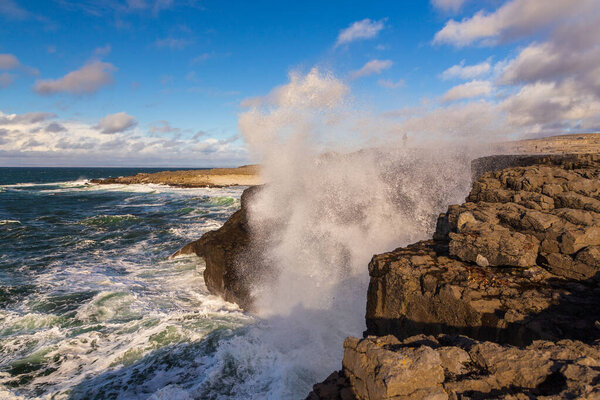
[198, 135]
[390, 84]
[55, 127]
[468, 90]
[463, 71]
[549, 103]
[27, 118]
[514, 19]
[6, 79]
[481, 119]
[162, 127]
[558, 79]
[8, 61]
[114, 123]
[372, 67]
[552, 84]
[360, 30]
[448, 5]
[85, 80]
[28, 139]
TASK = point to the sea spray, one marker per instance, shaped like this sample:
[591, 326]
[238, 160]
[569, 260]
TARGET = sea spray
[334, 197]
[342, 186]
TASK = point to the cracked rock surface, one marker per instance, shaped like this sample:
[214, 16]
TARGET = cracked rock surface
[502, 303]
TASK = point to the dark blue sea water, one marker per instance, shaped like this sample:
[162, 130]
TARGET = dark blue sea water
[91, 306]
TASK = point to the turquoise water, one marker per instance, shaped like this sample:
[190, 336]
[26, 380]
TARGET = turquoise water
[91, 307]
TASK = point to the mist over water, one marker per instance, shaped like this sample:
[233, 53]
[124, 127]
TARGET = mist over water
[342, 186]
[334, 198]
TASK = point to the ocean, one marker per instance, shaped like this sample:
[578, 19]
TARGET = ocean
[91, 306]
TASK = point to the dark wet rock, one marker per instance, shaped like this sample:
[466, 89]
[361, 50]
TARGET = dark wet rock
[224, 252]
[335, 387]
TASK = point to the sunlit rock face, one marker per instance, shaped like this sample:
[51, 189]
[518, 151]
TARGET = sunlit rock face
[517, 262]
[508, 283]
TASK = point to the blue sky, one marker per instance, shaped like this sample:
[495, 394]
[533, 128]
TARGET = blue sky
[141, 74]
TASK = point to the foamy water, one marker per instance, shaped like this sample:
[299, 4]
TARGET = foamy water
[88, 290]
[94, 309]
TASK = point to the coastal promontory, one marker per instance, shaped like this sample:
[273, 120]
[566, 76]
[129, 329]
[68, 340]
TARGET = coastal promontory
[247, 175]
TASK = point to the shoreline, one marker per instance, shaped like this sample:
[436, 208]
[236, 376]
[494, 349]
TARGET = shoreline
[247, 175]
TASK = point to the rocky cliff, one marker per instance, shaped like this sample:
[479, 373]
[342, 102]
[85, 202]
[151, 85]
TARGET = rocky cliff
[224, 250]
[507, 289]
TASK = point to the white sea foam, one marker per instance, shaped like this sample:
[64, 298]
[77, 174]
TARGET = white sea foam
[327, 208]
[102, 303]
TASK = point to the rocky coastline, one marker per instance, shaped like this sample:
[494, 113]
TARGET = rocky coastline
[223, 251]
[501, 303]
[248, 175]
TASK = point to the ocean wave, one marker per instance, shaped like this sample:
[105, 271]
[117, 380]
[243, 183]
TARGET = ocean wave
[9, 221]
[78, 182]
[102, 299]
[104, 220]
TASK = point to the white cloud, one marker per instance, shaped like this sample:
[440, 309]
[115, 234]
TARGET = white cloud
[552, 84]
[468, 90]
[463, 71]
[12, 10]
[27, 139]
[480, 119]
[548, 103]
[6, 79]
[27, 118]
[448, 5]
[162, 127]
[365, 29]
[372, 67]
[8, 61]
[516, 18]
[55, 127]
[390, 84]
[120, 8]
[114, 123]
[85, 80]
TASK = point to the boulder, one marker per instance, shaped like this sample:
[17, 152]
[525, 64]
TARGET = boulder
[502, 303]
[512, 264]
[457, 367]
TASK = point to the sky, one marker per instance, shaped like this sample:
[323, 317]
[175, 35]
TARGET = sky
[164, 82]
